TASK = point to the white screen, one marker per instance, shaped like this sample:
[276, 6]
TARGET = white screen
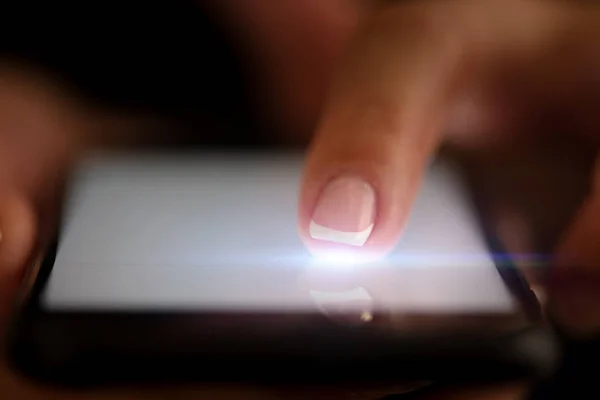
[220, 233]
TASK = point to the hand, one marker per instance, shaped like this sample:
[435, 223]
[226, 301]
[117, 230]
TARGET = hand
[43, 130]
[482, 77]
[36, 144]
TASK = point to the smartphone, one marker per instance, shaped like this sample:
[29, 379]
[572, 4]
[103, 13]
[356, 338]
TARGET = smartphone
[190, 267]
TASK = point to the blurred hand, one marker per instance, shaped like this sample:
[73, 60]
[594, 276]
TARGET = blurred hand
[504, 83]
[38, 140]
[44, 129]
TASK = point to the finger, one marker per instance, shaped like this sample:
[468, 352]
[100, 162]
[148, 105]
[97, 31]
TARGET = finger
[17, 232]
[574, 285]
[17, 240]
[41, 130]
[381, 126]
[37, 142]
[387, 112]
[510, 187]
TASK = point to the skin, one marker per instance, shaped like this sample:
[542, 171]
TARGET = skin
[512, 87]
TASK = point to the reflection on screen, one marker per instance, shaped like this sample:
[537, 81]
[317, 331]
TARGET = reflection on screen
[220, 233]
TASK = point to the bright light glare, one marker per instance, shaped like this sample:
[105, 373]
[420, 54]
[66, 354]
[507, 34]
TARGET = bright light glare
[341, 259]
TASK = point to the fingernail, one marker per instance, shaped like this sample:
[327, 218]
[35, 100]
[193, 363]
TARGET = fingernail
[345, 212]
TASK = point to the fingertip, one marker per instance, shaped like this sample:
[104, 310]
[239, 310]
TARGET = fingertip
[17, 234]
[349, 210]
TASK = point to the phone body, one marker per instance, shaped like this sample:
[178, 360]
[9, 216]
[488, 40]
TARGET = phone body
[190, 267]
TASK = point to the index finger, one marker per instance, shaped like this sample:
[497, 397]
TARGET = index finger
[388, 109]
[381, 125]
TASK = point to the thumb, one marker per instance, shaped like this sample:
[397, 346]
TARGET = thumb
[381, 125]
[17, 239]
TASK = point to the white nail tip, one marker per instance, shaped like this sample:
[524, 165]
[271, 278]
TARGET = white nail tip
[320, 232]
